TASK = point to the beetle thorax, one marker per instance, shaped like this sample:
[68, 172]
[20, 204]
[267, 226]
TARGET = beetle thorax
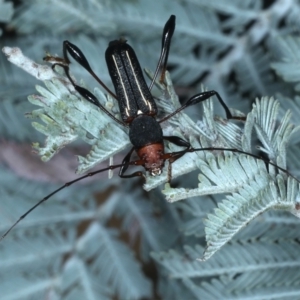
[146, 136]
[145, 130]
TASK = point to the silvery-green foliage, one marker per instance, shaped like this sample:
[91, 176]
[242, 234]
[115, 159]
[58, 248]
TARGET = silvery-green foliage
[64, 250]
[255, 266]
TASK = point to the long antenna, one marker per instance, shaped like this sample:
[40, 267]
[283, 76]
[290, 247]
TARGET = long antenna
[61, 188]
[246, 153]
[168, 156]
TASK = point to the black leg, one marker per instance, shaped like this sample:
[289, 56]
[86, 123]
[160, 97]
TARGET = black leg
[125, 165]
[171, 157]
[76, 53]
[165, 48]
[200, 98]
[179, 142]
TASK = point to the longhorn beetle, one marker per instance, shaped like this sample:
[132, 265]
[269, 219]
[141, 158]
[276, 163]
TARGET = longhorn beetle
[137, 108]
